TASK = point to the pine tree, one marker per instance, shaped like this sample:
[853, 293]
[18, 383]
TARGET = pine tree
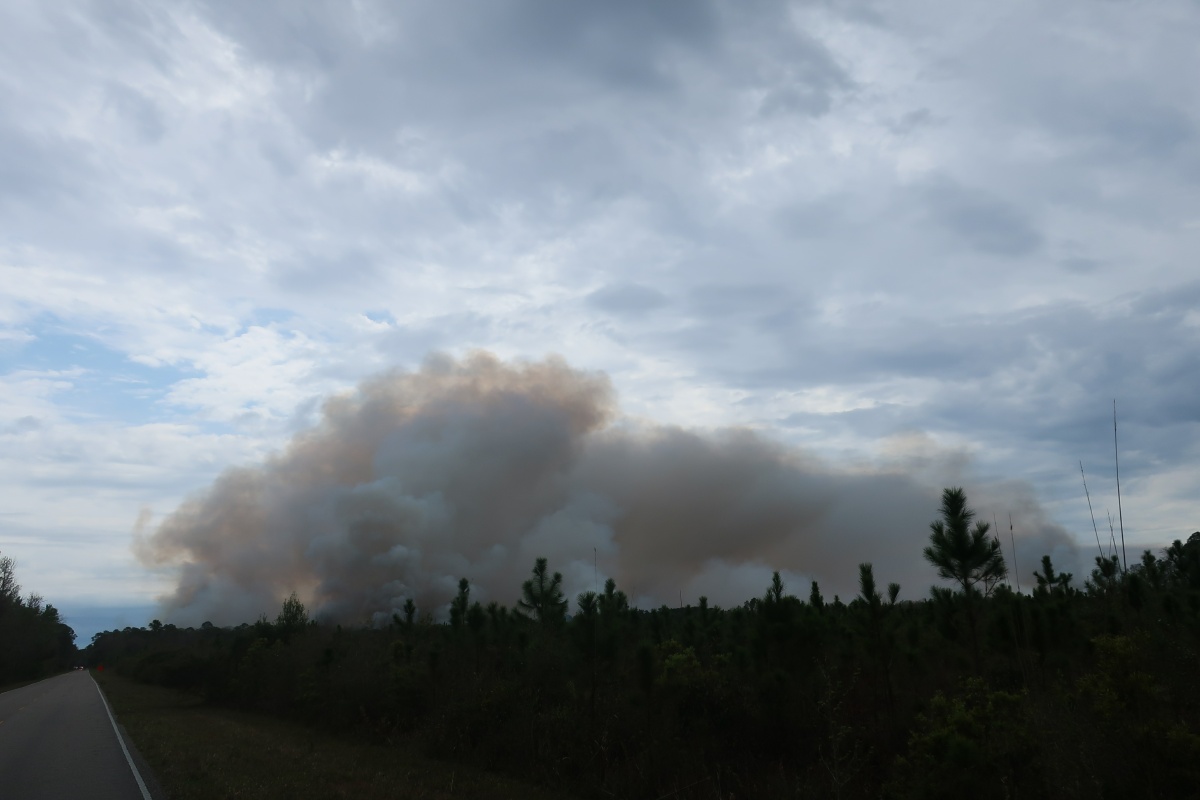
[815, 599]
[613, 603]
[961, 553]
[460, 603]
[292, 617]
[965, 554]
[775, 590]
[542, 595]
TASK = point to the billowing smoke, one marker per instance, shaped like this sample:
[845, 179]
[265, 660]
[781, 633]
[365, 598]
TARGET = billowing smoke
[474, 468]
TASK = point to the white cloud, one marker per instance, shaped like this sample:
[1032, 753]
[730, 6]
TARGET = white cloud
[838, 222]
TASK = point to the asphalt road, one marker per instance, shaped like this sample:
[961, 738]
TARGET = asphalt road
[57, 740]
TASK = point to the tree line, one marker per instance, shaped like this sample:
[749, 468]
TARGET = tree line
[1078, 689]
[34, 641]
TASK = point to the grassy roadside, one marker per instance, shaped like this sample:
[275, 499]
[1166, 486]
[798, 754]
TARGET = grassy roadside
[201, 752]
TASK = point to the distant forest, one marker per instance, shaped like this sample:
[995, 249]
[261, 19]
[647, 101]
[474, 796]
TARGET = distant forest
[34, 641]
[1081, 688]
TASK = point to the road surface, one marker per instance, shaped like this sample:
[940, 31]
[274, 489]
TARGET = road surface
[58, 741]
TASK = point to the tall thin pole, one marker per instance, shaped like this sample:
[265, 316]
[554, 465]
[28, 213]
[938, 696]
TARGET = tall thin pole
[1013, 539]
[996, 536]
[1120, 513]
[1089, 499]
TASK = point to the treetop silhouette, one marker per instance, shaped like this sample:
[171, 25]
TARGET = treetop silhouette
[963, 553]
[542, 595]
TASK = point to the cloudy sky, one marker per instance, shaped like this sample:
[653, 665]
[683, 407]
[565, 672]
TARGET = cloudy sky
[869, 230]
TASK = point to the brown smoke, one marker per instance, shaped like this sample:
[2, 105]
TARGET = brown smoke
[474, 468]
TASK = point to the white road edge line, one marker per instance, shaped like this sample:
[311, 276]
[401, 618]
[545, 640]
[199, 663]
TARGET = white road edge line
[137, 776]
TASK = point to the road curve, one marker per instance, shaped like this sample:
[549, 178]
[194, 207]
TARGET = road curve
[58, 741]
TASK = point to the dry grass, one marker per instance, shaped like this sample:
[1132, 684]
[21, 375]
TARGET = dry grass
[203, 753]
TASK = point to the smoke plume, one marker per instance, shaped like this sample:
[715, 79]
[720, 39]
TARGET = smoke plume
[474, 468]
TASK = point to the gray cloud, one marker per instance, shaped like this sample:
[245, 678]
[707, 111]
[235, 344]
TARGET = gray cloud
[812, 219]
[25, 424]
[586, 106]
[322, 33]
[627, 299]
[411, 341]
[735, 300]
[140, 111]
[804, 81]
[1081, 265]
[42, 168]
[983, 221]
[1118, 119]
[326, 272]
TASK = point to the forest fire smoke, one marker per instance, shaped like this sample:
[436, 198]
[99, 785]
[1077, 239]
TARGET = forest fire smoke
[473, 468]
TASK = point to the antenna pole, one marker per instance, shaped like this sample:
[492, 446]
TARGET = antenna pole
[996, 536]
[1089, 499]
[1120, 513]
[1013, 539]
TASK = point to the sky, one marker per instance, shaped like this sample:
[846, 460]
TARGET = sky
[941, 237]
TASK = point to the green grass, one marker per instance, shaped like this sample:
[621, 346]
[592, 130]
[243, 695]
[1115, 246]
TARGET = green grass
[203, 753]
